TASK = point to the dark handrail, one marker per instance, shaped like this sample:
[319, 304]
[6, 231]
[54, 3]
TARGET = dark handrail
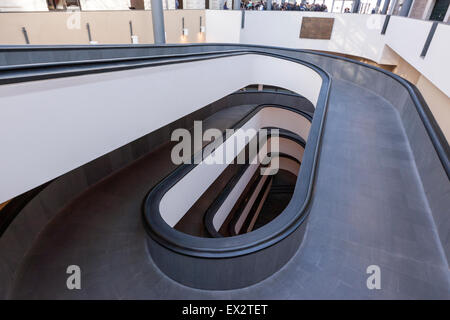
[436, 136]
[265, 236]
[212, 210]
[84, 69]
[255, 205]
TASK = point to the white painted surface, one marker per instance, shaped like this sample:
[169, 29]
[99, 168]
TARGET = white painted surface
[407, 38]
[54, 126]
[167, 4]
[223, 26]
[23, 5]
[105, 4]
[352, 34]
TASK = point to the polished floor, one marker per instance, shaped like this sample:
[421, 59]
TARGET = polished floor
[369, 208]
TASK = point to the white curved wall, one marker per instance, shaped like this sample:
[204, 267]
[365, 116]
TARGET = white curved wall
[354, 34]
[403, 38]
[223, 26]
[50, 127]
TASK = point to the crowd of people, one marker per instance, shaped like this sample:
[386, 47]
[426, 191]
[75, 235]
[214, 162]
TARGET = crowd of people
[286, 6]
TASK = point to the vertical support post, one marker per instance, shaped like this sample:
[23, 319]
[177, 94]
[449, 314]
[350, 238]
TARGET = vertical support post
[88, 27]
[269, 5]
[385, 6]
[355, 7]
[236, 4]
[377, 6]
[429, 38]
[406, 6]
[25, 35]
[385, 24]
[392, 7]
[158, 22]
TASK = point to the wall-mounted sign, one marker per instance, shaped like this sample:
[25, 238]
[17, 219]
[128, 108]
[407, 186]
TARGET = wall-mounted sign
[316, 28]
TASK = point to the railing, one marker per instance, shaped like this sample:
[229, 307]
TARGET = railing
[261, 239]
[218, 202]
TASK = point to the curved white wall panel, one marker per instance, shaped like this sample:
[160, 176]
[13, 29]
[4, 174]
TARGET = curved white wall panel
[23, 5]
[403, 38]
[53, 126]
[352, 34]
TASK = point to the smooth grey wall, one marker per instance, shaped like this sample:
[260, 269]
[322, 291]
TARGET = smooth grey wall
[433, 177]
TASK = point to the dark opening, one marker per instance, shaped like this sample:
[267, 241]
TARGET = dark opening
[63, 4]
[137, 5]
[439, 10]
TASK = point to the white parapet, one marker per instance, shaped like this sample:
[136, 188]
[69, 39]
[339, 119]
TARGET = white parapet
[23, 5]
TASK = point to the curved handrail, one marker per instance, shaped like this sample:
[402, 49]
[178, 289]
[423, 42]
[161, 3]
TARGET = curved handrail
[198, 154]
[256, 207]
[236, 217]
[9, 212]
[265, 236]
[440, 143]
[276, 93]
[177, 59]
[54, 70]
[313, 156]
[433, 130]
[212, 210]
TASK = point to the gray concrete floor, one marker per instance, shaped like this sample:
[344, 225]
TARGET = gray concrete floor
[369, 208]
